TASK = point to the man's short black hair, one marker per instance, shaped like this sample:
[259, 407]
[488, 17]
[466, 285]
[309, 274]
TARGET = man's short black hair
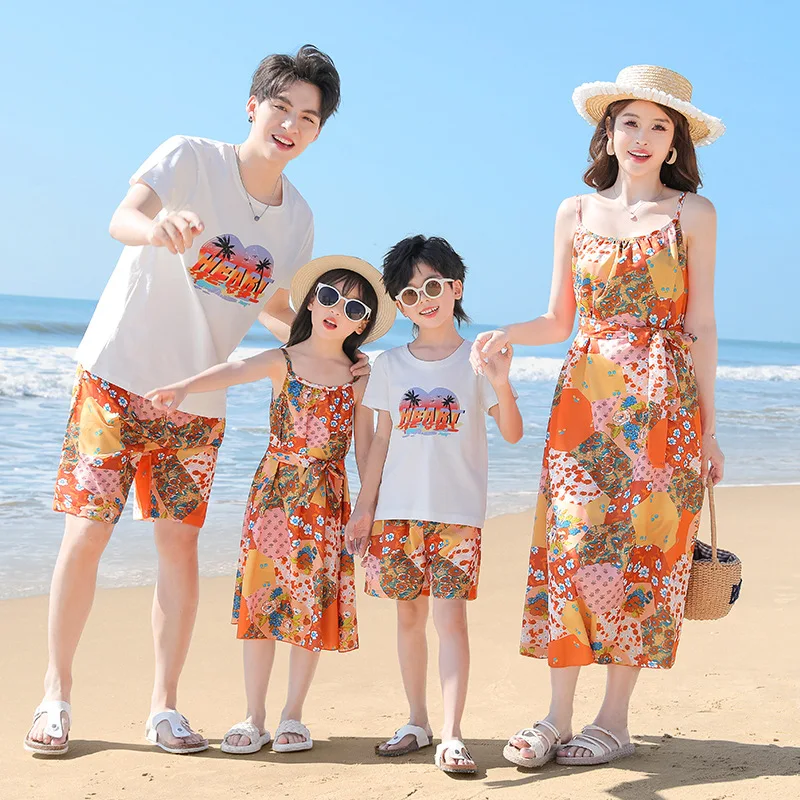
[277, 72]
[401, 261]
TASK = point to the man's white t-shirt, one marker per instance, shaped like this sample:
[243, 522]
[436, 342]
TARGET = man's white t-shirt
[165, 317]
[437, 465]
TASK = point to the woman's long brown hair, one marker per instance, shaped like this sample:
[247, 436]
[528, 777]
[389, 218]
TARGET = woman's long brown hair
[683, 175]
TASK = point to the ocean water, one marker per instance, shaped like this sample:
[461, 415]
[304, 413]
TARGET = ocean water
[758, 402]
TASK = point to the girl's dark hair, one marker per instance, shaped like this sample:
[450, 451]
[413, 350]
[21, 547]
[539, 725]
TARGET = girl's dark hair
[401, 261]
[683, 175]
[348, 283]
[277, 72]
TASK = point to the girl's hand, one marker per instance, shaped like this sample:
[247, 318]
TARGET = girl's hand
[713, 461]
[497, 367]
[167, 398]
[486, 345]
[361, 368]
[357, 533]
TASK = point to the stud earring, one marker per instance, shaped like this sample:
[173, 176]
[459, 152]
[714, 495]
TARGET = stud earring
[250, 118]
[673, 157]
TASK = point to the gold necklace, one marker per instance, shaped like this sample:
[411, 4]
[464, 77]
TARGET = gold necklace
[635, 207]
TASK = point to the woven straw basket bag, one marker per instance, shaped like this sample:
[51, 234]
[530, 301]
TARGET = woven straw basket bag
[716, 576]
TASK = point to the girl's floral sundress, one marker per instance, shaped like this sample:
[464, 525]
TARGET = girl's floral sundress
[295, 580]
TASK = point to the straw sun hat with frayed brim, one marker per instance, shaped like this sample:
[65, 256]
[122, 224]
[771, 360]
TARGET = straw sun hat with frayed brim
[306, 278]
[656, 84]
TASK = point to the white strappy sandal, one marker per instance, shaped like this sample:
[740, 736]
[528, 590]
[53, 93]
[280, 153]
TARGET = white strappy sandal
[538, 742]
[422, 738]
[179, 726]
[54, 729]
[457, 749]
[292, 726]
[257, 739]
[602, 751]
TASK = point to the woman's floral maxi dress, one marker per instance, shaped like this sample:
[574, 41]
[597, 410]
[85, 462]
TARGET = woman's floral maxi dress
[295, 580]
[620, 493]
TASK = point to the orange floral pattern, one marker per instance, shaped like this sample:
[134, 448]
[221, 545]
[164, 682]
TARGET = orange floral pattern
[116, 439]
[407, 558]
[295, 581]
[620, 492]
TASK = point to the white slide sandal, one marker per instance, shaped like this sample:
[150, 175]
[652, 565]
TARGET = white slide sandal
[180, 728]
[54, 729]
[257, 739]
[292, 726]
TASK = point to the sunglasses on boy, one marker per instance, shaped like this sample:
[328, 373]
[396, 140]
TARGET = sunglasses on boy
[432, 288]
[355, 310]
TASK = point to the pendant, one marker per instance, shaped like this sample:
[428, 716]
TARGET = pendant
[256, 219]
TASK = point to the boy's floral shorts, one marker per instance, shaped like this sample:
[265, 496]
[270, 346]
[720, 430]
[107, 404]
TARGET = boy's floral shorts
[116, 439]
[409, 557]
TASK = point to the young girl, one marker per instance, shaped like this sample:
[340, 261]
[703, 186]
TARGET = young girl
[429, 460]
[631, 439]
[295, 581]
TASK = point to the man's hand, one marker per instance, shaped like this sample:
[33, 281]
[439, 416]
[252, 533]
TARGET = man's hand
[361, 368]
[176, 231]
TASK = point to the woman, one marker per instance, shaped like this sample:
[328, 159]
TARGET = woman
[631, 439]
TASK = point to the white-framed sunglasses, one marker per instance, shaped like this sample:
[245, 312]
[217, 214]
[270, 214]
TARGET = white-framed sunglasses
[432, 288]
[354, 309]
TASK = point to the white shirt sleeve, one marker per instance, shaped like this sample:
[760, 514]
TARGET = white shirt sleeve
[284, 279]
[171, 172]
[376, 395]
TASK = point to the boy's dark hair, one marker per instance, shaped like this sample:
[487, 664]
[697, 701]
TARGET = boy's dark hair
[277, 72]
[401, 261]
[351, 282]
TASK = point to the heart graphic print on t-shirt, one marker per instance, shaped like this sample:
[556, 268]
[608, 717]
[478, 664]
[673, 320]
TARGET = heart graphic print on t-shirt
[435, 412]
[228, 269]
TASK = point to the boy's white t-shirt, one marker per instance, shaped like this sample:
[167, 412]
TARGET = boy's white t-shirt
[165, 317]
[437, 465]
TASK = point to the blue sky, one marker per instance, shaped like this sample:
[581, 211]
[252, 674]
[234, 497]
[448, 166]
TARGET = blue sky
[456, 120]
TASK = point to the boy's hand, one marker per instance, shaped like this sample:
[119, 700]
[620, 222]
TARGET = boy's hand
[486, 345]
[497, 367]
[176, 231]
[361, 369]
[167, 398]
[357, 533]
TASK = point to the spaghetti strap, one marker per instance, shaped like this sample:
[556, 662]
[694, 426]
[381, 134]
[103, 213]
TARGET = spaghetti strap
[288, 360]
[680, 205]
[578, 210]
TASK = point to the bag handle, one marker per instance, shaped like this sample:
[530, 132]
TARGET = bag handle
[713, 512]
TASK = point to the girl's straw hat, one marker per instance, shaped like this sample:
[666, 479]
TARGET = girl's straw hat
[306, 278]
[656, 84]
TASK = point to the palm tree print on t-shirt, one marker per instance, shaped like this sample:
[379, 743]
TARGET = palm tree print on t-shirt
[231, 271]
[428, 413]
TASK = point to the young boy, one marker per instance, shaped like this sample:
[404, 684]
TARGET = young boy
[426, 483]
[214, 233]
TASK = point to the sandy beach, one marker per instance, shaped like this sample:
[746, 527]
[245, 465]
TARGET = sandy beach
[723, 723]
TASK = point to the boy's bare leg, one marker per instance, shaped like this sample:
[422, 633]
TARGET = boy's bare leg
[450, 618]
[412, 652]
[71, 594]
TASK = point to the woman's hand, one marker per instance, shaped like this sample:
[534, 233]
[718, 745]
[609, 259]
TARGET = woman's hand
[713, 461]
[485, 346]
[168, 398]
[357, 532]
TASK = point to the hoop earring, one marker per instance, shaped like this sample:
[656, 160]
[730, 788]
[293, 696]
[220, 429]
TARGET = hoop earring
[609, 147]
[673, 157]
